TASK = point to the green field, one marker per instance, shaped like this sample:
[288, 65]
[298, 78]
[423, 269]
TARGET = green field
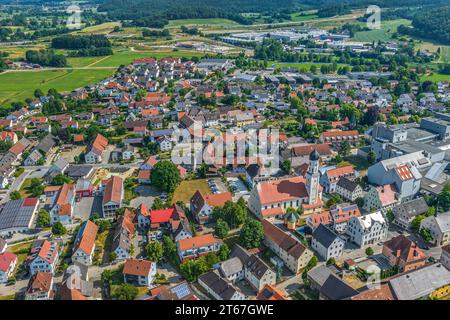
[436, 77]
[304, 15]
[201, 22]
[382, 34]
[17, 86]
[126, 57]
[445, 54]
[187, 188]
[103, 28]
[82, 61]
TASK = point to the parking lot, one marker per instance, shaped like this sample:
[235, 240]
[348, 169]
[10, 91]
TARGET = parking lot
[87, 206]
[217, 186]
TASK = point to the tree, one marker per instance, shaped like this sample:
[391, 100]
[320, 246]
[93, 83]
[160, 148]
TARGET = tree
[369, 251]
[15, 195]
[158, 204]
[36, 187]
[360, 202]
[426, 234]
[390, 215]
[112, 256]
[59, 229]
[415, 224]
[165, 175]
[234, 214]
[60, 179]
[345, 148]
[252, 234]
[444, 199]
[334, 199]
[38, 93]
[331, 261]
[371, 157]
[43, 219]
[125, 292]
[224, 252]
[170, 248]
[155, 251]
[222, 228]
[286, 166]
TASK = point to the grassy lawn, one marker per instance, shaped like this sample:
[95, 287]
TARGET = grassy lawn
[187, 188]
[10, 297]
[21, 251]
[24, 188]
[16, 86]
[358, 162]
[126, 57]
[382, 34]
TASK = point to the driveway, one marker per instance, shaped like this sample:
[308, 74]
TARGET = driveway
[147, 195]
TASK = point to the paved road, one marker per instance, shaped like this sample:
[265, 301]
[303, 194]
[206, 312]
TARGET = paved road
[17, 183]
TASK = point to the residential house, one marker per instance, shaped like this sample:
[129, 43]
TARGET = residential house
[341, 213]
[98, 146]
[84, 243]
[40, 287]
[269, 292]
[123, 234]
[331, 177]
[439, 227]
[406, 212]
[349, 189]
[8, 262]
[327, 243]
[139, 272]
[113, 196]
[404, 254]
[192, 248]
[368, 229]
[202, 206]
[445, 256]
[293, 253]
[329, 286]
[381, 198]
[44, 256]
[219, 288]
[63, 204]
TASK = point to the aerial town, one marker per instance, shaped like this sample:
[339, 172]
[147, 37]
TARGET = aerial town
[231, 178]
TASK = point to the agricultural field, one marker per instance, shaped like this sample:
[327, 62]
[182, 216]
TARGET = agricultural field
[201, 22]
[19, 85]
[304, 15]
[436, 77]
[103, 28]
[382, 34]
[125, 56]
[445, 54]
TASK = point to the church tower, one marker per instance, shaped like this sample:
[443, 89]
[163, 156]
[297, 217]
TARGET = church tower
[312, 177]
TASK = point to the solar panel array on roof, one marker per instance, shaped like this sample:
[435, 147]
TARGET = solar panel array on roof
[182, 290]
[15, 215]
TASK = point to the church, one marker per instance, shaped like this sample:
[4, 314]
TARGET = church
[271, 198]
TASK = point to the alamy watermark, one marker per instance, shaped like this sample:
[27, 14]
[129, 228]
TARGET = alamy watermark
[374, 19]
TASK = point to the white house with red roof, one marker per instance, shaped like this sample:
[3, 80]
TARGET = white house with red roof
[63, 204]
[45, 257]
[139, 272]
[203, 205]
[8, 262]
[195, 247]
[331, 177]
[99, 145]
[84, 244]
[113, 196]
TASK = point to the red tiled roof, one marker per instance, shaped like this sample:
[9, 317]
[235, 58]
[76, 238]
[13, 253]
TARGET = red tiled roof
[320, 218]
[137, 267]
[113, 190]
[87, 241]
[282, 190]
[48, 251]
[197, 242]
[218, 199]
[161, 216]
[323, 149]
[6, 259]
[269, 292]
[40, 282]
[340, 171]
[405, 249]
[404, 172]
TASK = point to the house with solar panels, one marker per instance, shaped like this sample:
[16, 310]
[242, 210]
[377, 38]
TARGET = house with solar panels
[18, 216]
